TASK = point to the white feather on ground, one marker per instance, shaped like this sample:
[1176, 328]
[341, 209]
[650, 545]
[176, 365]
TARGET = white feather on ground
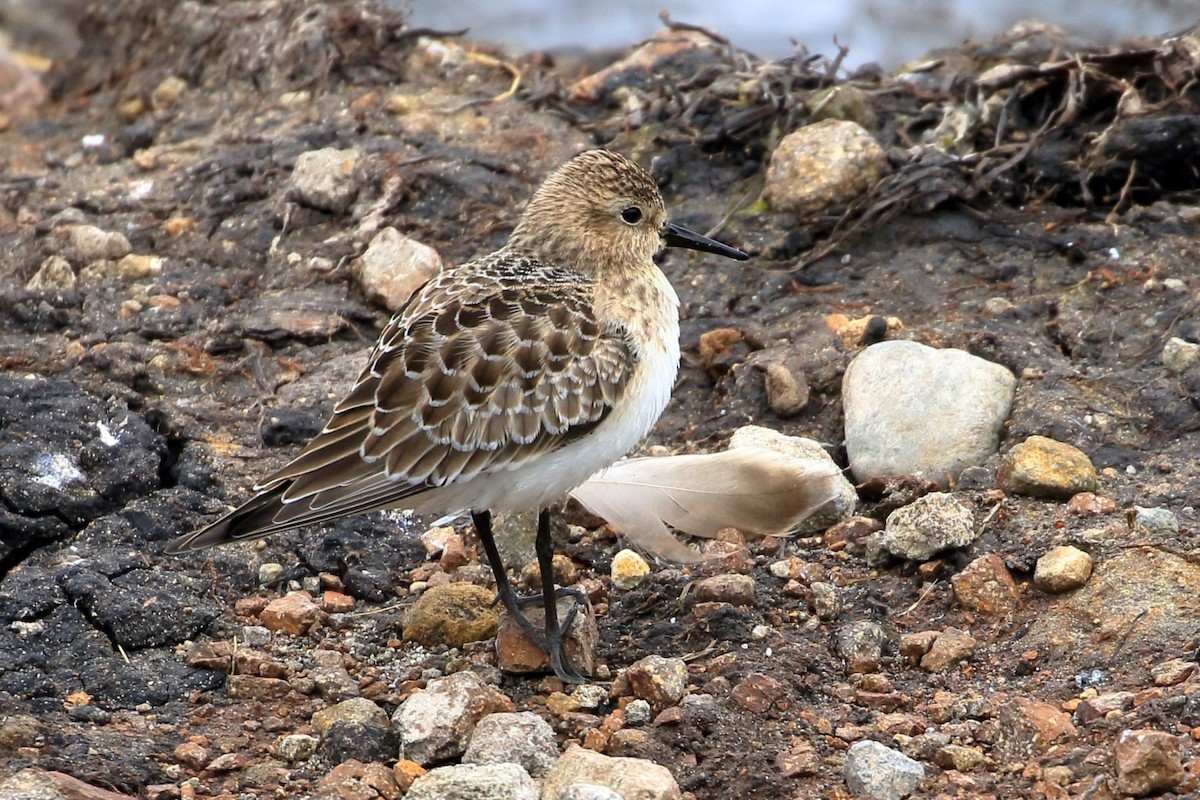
[753, 489]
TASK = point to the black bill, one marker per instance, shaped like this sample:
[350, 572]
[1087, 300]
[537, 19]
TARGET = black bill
[676, 236]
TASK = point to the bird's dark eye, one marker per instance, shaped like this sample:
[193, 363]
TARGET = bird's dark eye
[632, 215]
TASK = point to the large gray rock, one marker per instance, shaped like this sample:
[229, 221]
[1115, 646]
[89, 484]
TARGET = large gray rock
[930, 524]
[515, 738]
[474, 782]
[436, 723]
[879, 771]
[915, 410]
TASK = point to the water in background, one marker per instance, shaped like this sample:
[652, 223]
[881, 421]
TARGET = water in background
[885, 31]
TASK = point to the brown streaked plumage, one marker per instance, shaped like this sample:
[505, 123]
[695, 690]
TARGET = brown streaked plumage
[505, 382]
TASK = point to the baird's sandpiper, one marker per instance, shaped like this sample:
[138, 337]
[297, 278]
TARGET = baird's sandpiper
[505, 382]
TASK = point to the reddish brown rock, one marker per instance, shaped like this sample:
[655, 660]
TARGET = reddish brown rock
[1028, 727]
[192, 755]
[336, 603]
[731, 588]
[951, 647]
[294, 613]
[1147, 761]
[758, 692]
[986, 587]
[517, 653]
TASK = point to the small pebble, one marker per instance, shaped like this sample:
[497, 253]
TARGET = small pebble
[628, 570]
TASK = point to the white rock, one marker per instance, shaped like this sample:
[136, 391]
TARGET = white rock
[393, 267]
[95, 244]
[885, 774]
[823, 165]
[799, 447]
[517, 738]
[1178, 355]
[474, 782]
[915, 410]
[629, 777]
[327, 179]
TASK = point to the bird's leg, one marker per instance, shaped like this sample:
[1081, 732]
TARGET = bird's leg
[555, 633]
[504, 590]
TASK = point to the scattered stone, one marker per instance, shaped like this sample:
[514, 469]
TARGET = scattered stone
[516, 653]
[986, 587]
[32, 783]
[55, 274]
[590, 695]
[1147, 761]
[1173, 671]
[660, 681]
[94, 244]
[1041, 467]
[393, 267]
[192, 755]
[787, 390]
[628, 570]
[1179, 355]
[294, 613]
[758, 692]
[354, 779]
[521, 738]
[1062, 569]
[454, 554]
[914, 646]
[168, 91]
[732, 588]
[134, 267]
[355, 729]
[336, 602]
[822, 166]
[914, 410]
[930, 524]
[1089, 504]
[1028, 727]
[227, 762]
[956, 756]
[799, 761]
[436, 723]
[951, 647]
[474, 782]
[637, 712]
[297, 747]
[1151, 521]
[861, 645]
[1102, 705]
[826, 600]
[865, 330]
[452, 615]
[631, 778]
[269, 573]
[881, 772]
[326, 179]
[406, 773]
[841, 507]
